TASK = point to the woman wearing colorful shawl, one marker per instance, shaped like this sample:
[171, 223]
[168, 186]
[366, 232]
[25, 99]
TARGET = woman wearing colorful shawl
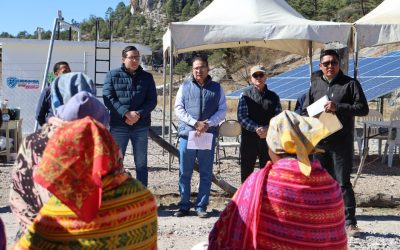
[74, 99]
[292, 203]
[95, 205]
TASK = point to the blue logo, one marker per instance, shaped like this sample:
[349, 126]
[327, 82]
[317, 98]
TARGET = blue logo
[12, 82]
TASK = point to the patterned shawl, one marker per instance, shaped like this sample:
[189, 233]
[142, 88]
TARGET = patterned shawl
[127, 219]
[292, 204]
[76, 157]
[279, 207]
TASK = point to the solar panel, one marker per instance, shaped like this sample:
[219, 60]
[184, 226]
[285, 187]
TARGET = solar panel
[377, 75]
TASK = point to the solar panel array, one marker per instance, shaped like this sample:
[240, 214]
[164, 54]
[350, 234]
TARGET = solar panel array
[377, 75]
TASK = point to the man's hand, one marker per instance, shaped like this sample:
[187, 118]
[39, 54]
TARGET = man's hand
[132, 117]
[262, 132]
[201, 127]
[330, 107]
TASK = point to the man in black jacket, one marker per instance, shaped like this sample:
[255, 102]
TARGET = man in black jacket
[346, 99]
[43, 109]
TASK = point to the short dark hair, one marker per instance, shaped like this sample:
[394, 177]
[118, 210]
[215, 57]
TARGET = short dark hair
[201, 59]
[58, 65]
[127, 49]
[329, 52]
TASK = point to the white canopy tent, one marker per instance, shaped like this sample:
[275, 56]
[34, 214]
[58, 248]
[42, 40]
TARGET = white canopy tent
[380, 26]
[262, 23]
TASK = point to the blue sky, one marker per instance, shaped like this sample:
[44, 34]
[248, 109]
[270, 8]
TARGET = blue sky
[27, 15]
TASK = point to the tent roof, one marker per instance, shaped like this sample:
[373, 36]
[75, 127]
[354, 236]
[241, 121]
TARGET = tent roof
[262, 23]
[380, 26]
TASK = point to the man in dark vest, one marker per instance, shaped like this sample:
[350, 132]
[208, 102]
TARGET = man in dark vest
[256, 107]
[200, 106]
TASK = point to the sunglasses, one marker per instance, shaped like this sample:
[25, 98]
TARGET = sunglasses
[257, 75]
[326, 64]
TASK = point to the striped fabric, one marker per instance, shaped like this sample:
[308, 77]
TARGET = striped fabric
[127, 219]
[280, 208]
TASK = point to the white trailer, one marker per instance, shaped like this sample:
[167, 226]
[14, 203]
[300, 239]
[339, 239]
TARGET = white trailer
[24, 63]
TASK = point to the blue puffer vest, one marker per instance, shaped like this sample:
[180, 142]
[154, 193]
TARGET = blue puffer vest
[200, 102]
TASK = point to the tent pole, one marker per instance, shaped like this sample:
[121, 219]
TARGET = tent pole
[171, 65]
[46, 71]
[164, 100]
[310, 54]
[355, 37]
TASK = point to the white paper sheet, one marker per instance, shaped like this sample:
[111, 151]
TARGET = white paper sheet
[317, 107]
[204, 141]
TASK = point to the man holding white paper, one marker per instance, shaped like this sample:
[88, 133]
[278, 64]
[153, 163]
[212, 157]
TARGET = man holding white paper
[346, 99]
[200, 106]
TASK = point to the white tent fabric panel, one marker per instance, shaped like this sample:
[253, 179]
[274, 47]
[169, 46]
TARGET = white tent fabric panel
[380, 26]
[262, 23]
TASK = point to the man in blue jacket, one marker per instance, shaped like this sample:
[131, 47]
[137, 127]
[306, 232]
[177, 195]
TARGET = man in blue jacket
[130, 94]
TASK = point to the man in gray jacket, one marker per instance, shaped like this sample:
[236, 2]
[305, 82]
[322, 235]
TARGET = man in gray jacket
[200, 106]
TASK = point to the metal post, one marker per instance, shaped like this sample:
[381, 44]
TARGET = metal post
[171, 66]
[49, 53]
[310, 52]
[355, 52]
[164, 94]
[84, 62]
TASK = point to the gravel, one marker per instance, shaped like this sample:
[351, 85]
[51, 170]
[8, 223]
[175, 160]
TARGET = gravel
[379, 225]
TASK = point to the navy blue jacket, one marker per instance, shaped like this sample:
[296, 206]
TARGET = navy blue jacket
[43, 108]
[123, 92]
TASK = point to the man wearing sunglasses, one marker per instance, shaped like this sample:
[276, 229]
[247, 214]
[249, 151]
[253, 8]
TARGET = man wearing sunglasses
[346, 100]
[256, 108]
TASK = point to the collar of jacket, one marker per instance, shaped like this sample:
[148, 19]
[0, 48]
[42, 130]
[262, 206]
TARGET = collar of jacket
[139, 69]
[338, 76]
[208, 79]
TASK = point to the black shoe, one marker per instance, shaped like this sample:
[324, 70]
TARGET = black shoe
[353, 231]
[201, 213]
[181, 213]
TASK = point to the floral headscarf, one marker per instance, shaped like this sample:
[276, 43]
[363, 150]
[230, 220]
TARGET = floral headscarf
[290, 133]
[76, 158]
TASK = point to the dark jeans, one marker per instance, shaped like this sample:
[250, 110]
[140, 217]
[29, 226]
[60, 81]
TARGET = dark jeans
[338, 161]
[252, 146]
[139, 140]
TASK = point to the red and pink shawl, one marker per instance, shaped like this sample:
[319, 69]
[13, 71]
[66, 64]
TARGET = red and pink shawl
[278, 207]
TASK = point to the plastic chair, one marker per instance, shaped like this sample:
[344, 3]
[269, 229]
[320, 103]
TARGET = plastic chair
[228, 137]
[373, 115]
[393, 138]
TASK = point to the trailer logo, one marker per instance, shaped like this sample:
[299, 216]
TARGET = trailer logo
[13, 82]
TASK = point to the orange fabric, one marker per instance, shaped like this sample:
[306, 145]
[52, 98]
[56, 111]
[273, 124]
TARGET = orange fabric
[74, 161]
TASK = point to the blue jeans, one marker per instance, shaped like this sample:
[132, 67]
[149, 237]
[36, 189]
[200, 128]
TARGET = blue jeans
[139, 140]
[187, 158]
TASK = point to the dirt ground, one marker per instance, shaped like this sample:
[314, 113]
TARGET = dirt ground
[378, 186]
